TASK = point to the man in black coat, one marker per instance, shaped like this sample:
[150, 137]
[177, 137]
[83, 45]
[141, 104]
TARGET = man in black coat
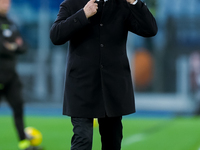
[98, 80]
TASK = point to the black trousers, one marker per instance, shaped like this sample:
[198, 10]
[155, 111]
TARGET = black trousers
[12, 92]
[110, 129]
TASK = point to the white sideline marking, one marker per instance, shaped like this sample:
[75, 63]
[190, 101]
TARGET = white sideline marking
[133, 139]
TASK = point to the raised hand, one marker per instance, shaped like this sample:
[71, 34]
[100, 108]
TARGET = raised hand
[90, 8]
[130, 1]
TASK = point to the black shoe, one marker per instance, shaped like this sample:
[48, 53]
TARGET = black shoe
[38, 148]
[34, 148]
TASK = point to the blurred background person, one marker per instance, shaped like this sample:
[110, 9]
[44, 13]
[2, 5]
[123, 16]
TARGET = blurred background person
[11, 44]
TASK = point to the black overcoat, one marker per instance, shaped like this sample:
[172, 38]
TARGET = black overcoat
[98, 78]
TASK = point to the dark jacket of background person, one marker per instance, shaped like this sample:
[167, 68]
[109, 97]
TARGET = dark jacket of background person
[8, 33]
[98, 78]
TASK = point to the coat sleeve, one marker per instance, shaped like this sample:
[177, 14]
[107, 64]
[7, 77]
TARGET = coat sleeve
[141, 21]
[17, 49]
[67, 24]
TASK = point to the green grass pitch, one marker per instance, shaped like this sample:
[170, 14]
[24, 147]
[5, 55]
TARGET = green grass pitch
[139, 133]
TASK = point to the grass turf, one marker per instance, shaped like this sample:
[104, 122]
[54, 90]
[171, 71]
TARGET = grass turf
[139, 133]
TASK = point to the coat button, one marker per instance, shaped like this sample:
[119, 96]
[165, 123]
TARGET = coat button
[101, 66]
[75, 20]
[101, 45]
[101, 25]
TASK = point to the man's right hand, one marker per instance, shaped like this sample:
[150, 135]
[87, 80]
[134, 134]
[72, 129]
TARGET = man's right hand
[11, 46]
[90, 8]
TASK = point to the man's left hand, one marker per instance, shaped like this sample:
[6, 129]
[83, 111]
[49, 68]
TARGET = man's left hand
[19, 41]
[131, 1]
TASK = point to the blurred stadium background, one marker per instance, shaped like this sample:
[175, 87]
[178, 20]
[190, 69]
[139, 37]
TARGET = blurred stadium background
[165, 69]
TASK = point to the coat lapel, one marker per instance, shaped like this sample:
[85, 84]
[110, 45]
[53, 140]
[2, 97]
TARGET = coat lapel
[108, 10]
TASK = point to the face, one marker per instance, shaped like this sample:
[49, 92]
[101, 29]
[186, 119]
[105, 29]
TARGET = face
[4, 6]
